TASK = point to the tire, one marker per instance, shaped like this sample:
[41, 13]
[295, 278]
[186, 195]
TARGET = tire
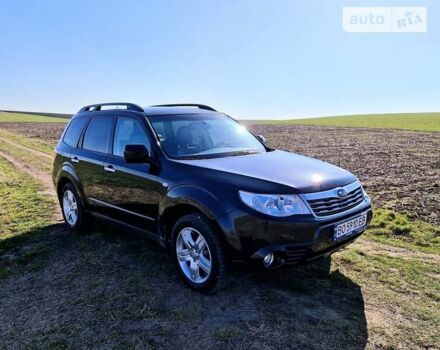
[75, 219]
[192, 263]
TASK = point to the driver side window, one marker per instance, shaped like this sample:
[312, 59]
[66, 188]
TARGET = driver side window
[128, 131]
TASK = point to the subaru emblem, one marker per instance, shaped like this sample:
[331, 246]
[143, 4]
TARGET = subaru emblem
[341, 192]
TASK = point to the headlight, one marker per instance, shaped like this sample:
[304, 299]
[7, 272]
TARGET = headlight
[366, 196]
[275, 204]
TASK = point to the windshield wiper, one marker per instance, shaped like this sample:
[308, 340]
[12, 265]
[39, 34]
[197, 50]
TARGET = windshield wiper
[217, 155]
[192, 157]
[241, 153]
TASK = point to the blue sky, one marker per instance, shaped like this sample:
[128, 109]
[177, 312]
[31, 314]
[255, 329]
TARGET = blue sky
[251, 59]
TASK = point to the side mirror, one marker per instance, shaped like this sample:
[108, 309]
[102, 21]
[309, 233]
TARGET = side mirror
[261, 138]
[136, 154]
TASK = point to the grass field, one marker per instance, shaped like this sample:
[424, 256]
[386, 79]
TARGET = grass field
[106, 288]
[20, 118]
[403, 121]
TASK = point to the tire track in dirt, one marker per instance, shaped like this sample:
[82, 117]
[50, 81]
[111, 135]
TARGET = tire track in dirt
[371, 247]
[44, 178]
[26, 148]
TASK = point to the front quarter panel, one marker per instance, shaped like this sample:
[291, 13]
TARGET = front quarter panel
[200, 198]
[214, 207]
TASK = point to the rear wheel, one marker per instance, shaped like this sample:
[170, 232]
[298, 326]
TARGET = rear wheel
[71, 208]
[199, 253]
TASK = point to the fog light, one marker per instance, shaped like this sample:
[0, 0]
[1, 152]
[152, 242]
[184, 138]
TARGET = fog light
[268, 259]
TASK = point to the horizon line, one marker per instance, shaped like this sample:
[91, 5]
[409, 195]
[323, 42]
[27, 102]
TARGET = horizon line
[65, 115]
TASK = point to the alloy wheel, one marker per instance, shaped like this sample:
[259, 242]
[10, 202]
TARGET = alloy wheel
[70, 207]
[193, 255]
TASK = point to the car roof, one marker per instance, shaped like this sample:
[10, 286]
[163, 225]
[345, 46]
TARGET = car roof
[133, 109]
[151, 111]
[106, 113]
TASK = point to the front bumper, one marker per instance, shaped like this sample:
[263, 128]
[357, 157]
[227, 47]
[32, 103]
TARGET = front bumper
[292, 240]
[291, 254]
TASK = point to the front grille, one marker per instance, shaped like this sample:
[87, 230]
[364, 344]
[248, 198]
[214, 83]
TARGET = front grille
[332, 205]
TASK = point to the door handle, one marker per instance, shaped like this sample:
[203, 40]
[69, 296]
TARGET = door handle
[109, 169]
[74, 159]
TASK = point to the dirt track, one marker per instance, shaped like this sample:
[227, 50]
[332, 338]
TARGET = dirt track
[44, 177]
[25, 148]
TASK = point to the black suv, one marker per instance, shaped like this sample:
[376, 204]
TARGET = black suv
[200, 184]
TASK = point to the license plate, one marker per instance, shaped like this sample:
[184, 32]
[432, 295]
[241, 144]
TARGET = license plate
[350, 227]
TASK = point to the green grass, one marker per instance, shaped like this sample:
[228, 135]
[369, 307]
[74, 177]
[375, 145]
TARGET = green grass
[405, 278]
[37, 144]
[398, 230]
[23, 208]
[406, 283]
[403, 121]
[24, 212]
[35, 162]
[19, 117]
[31, 160]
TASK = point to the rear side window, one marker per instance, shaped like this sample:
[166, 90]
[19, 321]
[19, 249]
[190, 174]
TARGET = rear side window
[97, 135]
[74, 130]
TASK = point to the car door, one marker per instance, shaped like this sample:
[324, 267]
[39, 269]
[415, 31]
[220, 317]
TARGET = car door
[94, 148]
[133, 192]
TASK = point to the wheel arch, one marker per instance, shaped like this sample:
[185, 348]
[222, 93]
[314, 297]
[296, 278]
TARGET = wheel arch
[67, 174]
[184, 200]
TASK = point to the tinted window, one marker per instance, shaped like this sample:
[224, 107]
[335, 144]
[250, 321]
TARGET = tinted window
[97, 136]
[128, 131]
[73, 132]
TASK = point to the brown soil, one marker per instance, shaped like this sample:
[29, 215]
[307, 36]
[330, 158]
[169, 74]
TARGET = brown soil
[49, 132]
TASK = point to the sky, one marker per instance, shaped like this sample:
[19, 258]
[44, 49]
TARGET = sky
[251, 59]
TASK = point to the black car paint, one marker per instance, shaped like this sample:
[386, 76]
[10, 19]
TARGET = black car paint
[289, 173]
[145, 196]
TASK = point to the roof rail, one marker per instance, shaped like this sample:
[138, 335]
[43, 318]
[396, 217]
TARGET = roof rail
[187, 105]
[97, 107]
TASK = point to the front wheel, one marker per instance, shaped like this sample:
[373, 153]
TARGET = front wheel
[199, 253]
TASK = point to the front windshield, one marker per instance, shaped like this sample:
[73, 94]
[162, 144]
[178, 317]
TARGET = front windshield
[189, 136]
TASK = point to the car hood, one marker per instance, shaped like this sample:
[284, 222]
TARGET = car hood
[301, 173]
